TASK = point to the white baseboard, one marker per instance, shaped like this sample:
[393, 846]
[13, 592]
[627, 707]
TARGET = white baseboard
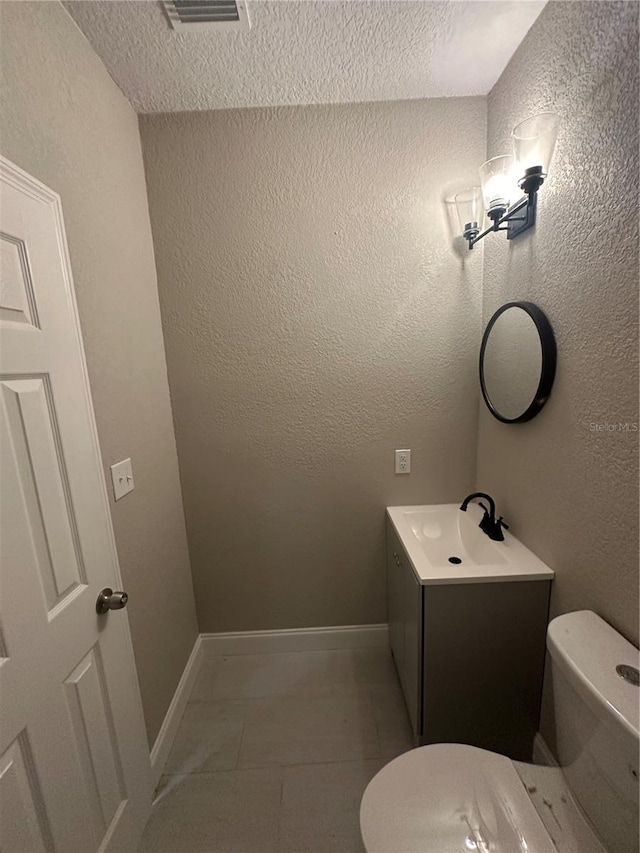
[295, 640]
[541, 753]
[164, 741]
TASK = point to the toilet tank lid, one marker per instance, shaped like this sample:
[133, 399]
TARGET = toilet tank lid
[588, 650]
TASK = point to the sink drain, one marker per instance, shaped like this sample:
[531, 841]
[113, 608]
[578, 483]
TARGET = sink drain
[455, 560]
[629, 673]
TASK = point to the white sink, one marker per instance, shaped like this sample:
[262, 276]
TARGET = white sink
[445, 535]
[446, 545]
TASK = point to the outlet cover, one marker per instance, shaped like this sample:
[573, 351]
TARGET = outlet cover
[122, 476]
[403, 461]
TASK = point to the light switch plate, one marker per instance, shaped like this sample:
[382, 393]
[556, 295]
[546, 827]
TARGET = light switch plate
[122, 476]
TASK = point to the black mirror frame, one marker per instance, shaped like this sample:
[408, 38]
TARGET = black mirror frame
[549, 359]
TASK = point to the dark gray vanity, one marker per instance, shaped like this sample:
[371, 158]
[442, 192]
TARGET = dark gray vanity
[468, 638]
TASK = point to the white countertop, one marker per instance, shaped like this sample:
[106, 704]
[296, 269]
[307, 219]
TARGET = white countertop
[431, 533]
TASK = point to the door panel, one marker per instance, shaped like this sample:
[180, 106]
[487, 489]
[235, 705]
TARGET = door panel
[412, 609]
[30, 430]
[22, 813]
[404, 596]
[74, 772]
[92, 726]
[17, 300]
[394, 606]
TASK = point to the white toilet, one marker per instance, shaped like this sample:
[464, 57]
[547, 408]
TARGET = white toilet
[451, 797]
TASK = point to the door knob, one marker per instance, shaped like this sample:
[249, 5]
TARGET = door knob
[110, 600]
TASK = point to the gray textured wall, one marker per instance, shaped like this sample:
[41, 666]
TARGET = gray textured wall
[315, 318]
[571, 493]
[65, 122]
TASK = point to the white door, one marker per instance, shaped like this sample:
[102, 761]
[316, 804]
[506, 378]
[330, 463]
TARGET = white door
[74, 761]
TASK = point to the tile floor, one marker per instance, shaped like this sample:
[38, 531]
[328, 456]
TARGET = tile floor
[274, 752]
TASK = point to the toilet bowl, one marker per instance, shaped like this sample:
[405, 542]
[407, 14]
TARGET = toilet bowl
[453, 797]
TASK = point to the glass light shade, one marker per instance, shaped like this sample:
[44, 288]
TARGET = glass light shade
[534, 140]
[469, 207]
[498, 184]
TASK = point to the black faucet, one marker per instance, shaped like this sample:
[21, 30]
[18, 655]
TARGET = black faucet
[489, 524]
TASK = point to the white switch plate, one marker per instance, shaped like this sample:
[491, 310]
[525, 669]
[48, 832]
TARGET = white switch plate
[122, 476]
[403, 461]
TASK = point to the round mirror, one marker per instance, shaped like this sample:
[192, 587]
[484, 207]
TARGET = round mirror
[517, 362]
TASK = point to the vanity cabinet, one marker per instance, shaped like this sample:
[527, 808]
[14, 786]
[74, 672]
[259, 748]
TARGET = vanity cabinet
[470, 656]
[404, 597]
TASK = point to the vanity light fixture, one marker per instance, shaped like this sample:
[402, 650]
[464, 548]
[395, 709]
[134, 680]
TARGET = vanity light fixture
[504, 177]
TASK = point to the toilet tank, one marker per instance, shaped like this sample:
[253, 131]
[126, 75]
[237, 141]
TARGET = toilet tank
[597, 723]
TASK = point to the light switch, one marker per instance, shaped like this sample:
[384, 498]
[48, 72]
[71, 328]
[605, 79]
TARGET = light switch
[122, 476]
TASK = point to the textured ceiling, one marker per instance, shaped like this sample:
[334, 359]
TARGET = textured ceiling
[309, 52]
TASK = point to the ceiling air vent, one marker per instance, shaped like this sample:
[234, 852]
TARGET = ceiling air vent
[197, 15]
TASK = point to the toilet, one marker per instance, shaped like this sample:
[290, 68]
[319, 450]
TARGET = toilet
[453, 797]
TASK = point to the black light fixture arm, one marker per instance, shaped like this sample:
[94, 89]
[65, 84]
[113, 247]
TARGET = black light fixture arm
[515, 224]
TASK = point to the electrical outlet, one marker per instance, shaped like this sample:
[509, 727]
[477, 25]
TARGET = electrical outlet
[403, 461]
